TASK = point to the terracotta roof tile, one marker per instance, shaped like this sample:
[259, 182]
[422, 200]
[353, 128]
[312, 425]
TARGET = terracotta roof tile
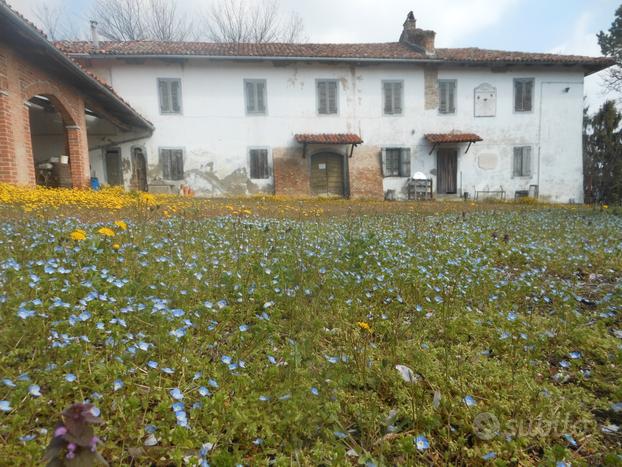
[379, 51]
[437, 138]
[329, 138]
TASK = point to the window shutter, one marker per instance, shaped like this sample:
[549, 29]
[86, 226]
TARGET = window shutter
[164, 163]
[451, 98]
[265, 168]
[527, 161]
[322, 97]
[164, 104]
[518, 155]
[528, 95]
[332, 97]
[397, 98]
[443, 98]
[405, 163]
[518, 95]
[383, 161]
[175, 96]
[261, 93]
[250, 97]
[387, 98]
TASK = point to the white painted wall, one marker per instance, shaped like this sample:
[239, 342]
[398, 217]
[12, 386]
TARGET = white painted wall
[216, 133]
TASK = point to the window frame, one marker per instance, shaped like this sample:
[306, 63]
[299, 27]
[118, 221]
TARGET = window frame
[515, 81]
[403, 150]
[183, 161]
[529, 173]
[455, 107]
[181, 104]
[254, 82]
[393, 81]
[268, 161]
[317, 97]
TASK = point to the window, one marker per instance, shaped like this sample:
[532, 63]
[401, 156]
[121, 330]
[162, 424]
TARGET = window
[523, 94]
[396, 162]
[260, 168]
[172, 164]
[327, 96]
[255, 90]
[447, 96]
[170, 95]
[522, 162]
[392, 91]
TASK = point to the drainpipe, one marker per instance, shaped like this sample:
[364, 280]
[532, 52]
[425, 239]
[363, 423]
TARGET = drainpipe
[539, 137]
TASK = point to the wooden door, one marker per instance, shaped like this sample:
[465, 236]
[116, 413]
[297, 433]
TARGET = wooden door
[447, 171]
[139, 170]
[114, 171]
[327, 174]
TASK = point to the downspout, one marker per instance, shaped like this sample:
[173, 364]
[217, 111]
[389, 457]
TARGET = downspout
[539, 137]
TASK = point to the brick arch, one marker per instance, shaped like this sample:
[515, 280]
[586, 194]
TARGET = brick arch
[55, 95]
[74, 128]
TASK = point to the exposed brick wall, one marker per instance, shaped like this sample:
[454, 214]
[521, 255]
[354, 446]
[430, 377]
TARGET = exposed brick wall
[366, 173]
[291, 172]
[430, 77]
[20, 80]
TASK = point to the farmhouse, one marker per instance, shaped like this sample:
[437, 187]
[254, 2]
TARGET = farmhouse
[347, 120]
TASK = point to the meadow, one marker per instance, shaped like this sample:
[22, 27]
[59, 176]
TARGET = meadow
[273, 331]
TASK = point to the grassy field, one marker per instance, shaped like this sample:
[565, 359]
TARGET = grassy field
[263, 331]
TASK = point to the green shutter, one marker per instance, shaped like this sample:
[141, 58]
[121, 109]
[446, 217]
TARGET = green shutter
[261, 93]
[405, 162]
[322, 98]
[383, 161]
[164, 101]
[175, 88]
[332, 97]
[527, 161]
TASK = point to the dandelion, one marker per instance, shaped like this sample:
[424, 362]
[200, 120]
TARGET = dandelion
[78, 235]
[121, 224]
[116, 246]
[364, 326]
[106, 232]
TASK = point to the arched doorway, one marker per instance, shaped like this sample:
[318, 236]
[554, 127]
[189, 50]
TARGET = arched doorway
[327, 174]
[139, 169]
[49, 141]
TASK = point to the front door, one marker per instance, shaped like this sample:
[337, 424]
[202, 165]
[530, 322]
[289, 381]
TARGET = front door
[114, 171]
[447, 171]
[327, 174]
[139, 170]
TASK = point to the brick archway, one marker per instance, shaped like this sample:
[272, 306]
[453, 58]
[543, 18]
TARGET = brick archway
[74, 124]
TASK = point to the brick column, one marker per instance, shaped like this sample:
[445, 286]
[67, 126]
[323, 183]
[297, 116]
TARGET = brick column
[78, 155]
[8, 169]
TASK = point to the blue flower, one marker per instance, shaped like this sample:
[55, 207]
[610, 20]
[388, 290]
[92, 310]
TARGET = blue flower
[564, 364]
[470, 401]
[84, 316]
[243, 327]
[264, 398]
[258, 441]
[176, 394]
[204, 391]
[212, 383]
[27, 438]
[34, 390]
[421, 442]
[70, 377]
[225, 359]
[315, 391]
[489, 456]
[117, 384]
[570, 440]
[8, 382]
[152, 364]
[340, 434]
[25, 314]
[5, 406]
[168, 371]
[271, 359]
[575, 355]
[177, 406]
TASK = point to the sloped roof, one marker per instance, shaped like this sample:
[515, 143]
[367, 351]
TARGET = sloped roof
[24, 36]
[388, 51]
[454, 137]
[329, 138]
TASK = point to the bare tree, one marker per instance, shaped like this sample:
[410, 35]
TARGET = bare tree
[241, 21]
[55, 22]
[132, 20]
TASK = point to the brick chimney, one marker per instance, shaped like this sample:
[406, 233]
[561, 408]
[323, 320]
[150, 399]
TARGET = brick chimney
[419, 39]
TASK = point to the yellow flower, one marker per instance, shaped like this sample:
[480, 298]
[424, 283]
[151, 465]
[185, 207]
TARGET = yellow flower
[121, 224]
[78, 235]
[116, 246]
[364, 326]
[605, 206]
[106, 232]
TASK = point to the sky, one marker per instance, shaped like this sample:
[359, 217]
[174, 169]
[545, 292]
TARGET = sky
[559, 26]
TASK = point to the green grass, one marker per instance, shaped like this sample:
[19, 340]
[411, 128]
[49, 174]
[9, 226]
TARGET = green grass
[489, 304]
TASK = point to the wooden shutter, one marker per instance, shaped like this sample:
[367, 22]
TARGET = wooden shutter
[388, 98]
[332, 97]
[528, 95]
[322, 97]
[527, 161]
[397, 98]
[383, 161]
[175, 96]
[518, 96]
[178, 164]
[250, 96]
[517, 165]
[442, 88]
[260, 91]
[164, 96]
[405, 162]
[451, 97]
[165, 163]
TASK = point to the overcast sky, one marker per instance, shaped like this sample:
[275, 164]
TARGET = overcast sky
[561, 26]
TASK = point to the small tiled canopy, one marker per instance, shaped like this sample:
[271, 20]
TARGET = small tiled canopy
[439, 138]
[329, 138]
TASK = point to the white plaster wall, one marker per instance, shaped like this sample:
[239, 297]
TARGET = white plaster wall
[216, 133]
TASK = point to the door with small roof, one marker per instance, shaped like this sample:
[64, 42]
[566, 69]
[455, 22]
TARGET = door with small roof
[327, 178]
